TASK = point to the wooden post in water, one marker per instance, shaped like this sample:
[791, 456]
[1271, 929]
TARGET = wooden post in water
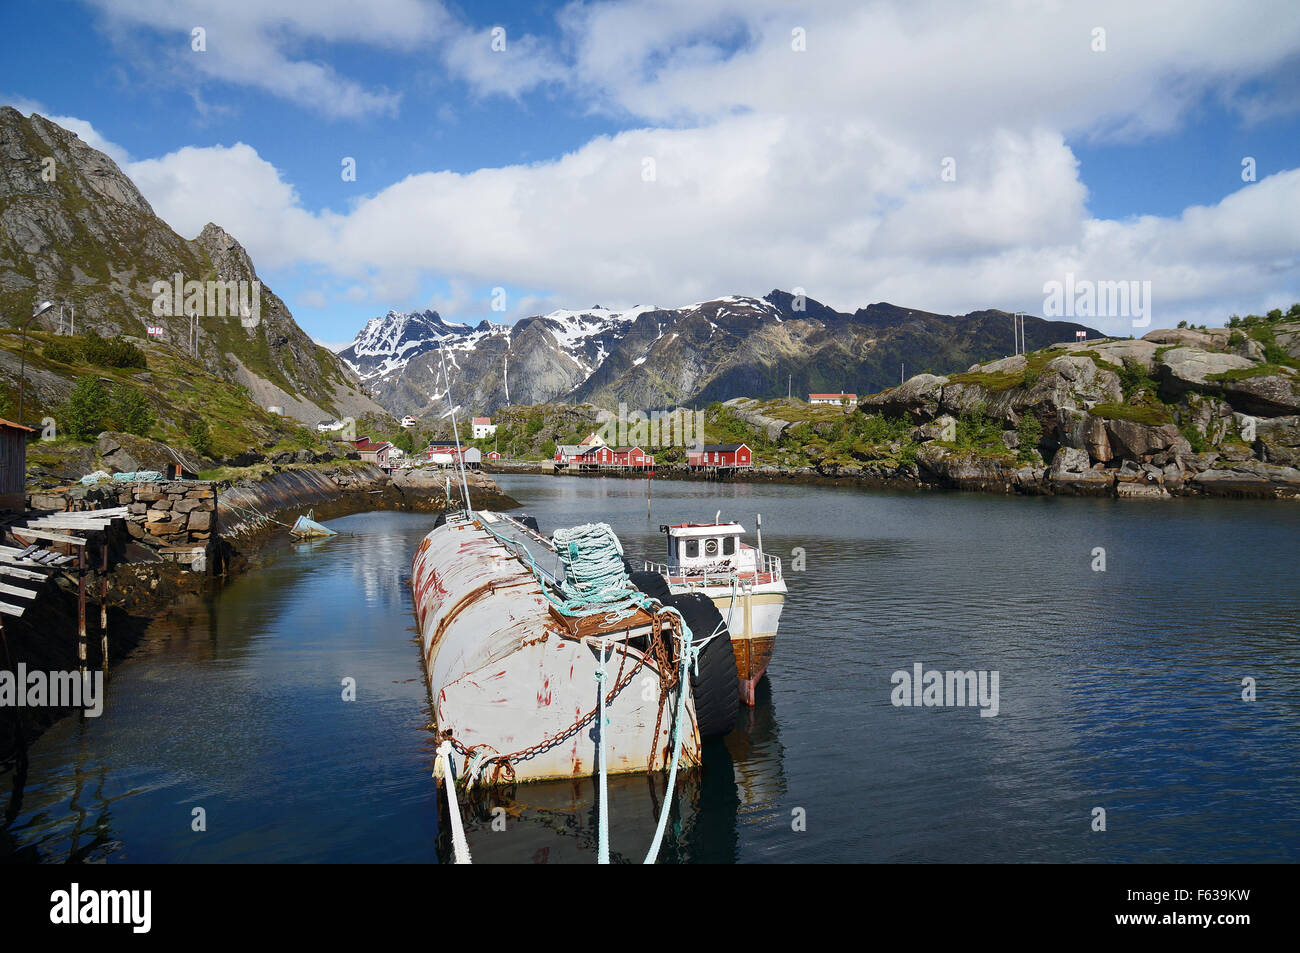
[103, 606]
[81, 615]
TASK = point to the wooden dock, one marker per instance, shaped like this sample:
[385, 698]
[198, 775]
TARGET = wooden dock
[34, 549]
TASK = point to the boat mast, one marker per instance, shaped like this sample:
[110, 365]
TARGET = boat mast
[455, 432]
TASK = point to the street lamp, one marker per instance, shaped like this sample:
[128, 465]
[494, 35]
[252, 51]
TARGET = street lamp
[22, 374]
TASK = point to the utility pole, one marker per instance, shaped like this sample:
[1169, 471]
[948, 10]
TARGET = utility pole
[902, 372]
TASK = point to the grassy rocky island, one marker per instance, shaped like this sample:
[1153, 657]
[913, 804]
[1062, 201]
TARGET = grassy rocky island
[1178, 412]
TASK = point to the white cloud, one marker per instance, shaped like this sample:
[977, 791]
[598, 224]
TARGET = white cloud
[818, 169]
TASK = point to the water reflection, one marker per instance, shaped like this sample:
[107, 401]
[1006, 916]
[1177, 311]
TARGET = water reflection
[1118, 688]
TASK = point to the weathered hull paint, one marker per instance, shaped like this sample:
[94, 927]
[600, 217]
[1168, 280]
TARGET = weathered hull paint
[503, 673]
[752, 618]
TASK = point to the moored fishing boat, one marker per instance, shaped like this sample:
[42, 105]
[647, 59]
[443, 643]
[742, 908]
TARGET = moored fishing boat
[745, 583]
[519, 634]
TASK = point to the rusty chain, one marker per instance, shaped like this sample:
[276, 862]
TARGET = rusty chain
[658, 652]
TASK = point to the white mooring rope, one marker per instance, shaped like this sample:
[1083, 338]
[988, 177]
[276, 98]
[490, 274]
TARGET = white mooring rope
[459, 845]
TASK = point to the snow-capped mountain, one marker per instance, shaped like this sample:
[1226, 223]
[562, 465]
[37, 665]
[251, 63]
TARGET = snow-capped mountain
[659, 357]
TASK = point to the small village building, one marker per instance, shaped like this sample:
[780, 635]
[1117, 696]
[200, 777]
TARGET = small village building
[726, 456]
[493, 455]
[408, 422]
[599, 456]
[376, 453]
[632, 458]
[13, 465]
[483, 427]
[444, 453]
[850, 400]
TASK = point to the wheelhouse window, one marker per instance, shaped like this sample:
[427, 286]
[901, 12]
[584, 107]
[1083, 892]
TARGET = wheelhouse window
[728, 545]
[710, 547]
[692, 548]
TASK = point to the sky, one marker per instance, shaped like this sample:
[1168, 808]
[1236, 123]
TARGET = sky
[514, 158]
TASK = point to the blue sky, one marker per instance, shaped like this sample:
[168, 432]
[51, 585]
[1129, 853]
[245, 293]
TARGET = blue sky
[524, 169]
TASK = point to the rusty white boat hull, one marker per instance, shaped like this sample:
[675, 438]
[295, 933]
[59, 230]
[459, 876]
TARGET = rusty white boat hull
[506, 673]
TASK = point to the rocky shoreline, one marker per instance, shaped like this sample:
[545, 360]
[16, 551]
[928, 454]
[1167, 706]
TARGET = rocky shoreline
[957, 471]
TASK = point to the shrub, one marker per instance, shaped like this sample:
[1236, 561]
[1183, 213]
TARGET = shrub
[111, 352]
[131, 411]
[83, 414]
[200, 437]
[1134, 377]
[61, 351]
[1030, 432]
[1194, 437]
[975, 430]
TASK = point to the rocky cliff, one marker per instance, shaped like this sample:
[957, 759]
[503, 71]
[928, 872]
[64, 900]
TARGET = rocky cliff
[75, 230]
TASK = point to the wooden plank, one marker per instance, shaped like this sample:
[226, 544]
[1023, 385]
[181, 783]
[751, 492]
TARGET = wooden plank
[92, 526]
[7, 609]
[7, 560]
[17, 573]
[17, 591]
[46, 534]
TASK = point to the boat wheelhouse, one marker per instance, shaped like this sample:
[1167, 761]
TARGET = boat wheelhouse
[745, 583]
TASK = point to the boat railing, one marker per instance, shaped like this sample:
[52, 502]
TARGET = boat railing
[771, 573]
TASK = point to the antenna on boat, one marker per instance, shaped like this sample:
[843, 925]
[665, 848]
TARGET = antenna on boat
[455, 432]
[759, 518]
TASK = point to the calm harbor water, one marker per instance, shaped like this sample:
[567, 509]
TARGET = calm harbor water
[1118, 689]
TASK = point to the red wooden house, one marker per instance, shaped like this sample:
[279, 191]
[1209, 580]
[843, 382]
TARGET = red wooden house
[372, 452]
[632, 457]
[735, 456]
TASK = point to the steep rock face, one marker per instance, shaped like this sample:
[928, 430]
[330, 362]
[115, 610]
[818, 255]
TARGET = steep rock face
[75, 230]
[665, 357]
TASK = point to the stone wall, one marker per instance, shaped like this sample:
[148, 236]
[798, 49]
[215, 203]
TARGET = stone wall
[177, 518]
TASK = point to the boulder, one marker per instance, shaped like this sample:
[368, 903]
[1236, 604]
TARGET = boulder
[126, 453]
[744, 408]
[1141, 353]
[1287, 336]
[1234, 483]
[1267, 395]
[1181, 369]
[1096, 440]
[1069, 460]
[1209, 340]
[1134, 441]
[1141, 491]
[918, 397]
[1071, 473]
[1277, 440]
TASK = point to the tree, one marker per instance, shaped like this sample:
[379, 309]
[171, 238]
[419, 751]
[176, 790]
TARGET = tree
[200, 437]
[131, 411]
[404, 442]
[83, 414]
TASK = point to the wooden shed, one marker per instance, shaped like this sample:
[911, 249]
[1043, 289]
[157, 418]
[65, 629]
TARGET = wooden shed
[13, 465]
